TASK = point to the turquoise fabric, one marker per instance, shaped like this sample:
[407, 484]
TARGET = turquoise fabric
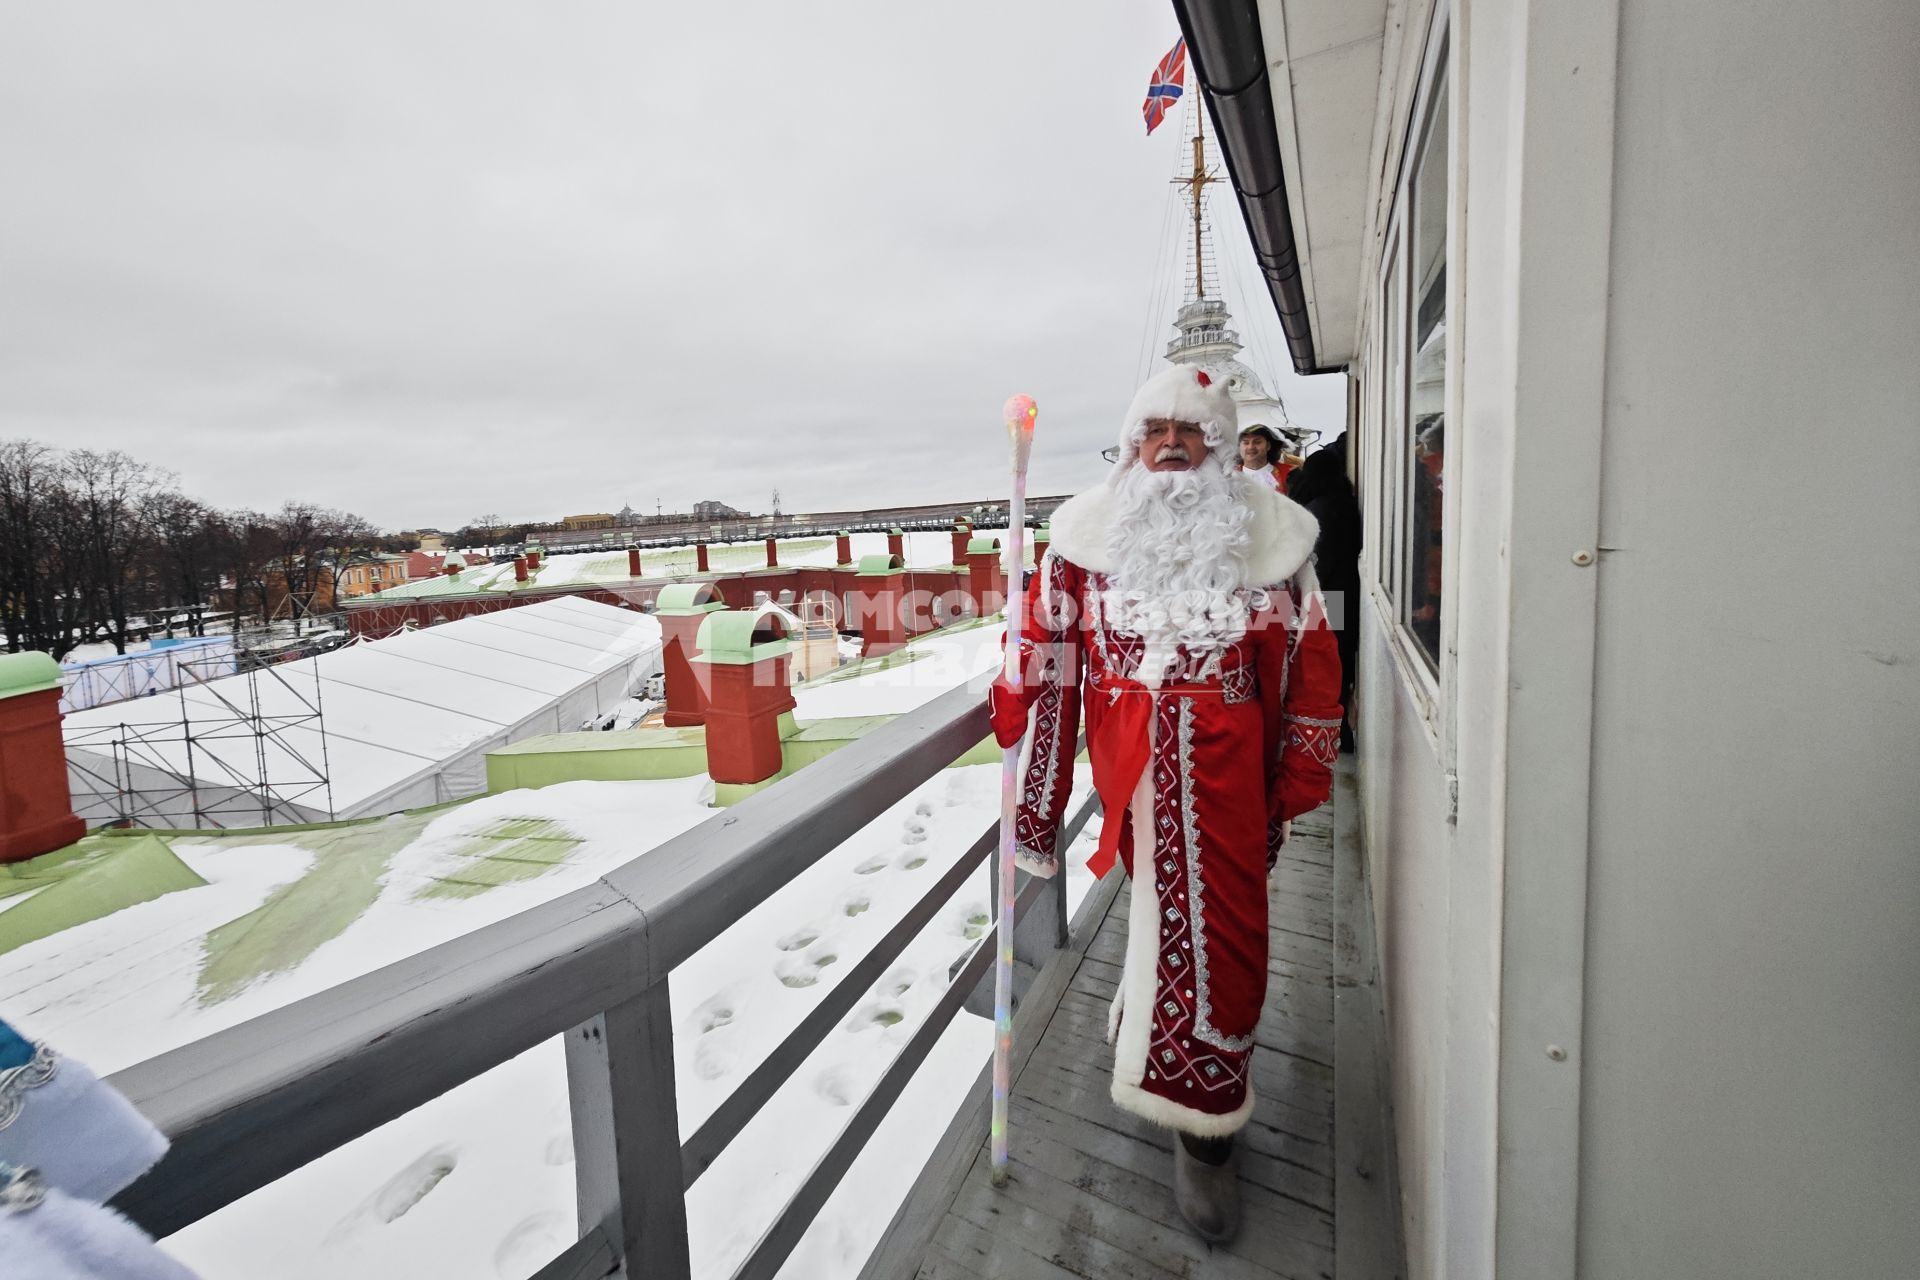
[14, 1050]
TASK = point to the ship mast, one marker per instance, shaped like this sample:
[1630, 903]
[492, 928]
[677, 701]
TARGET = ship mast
[1196, 181]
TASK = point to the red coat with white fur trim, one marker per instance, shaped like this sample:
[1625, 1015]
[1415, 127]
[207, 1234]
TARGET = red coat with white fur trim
[1211, 759]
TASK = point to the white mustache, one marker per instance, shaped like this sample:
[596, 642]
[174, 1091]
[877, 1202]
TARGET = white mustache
[1170, 452]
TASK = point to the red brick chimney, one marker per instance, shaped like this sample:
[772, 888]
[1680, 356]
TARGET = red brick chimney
[36, 809]
[773, 553]
[519, 568]
[962, 534]
[680, 608]
[986, 578]
[897, 544]
[843, 548]
[743, 666]
[880, 591]
[633, 562]
[700, 557]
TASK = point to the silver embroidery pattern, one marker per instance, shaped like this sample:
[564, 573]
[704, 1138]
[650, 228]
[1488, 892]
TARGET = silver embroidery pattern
[20, 1188]
[1239, 685]
[1203, 1028]
[1035, 822]
[1051, 696]
[15, 1081]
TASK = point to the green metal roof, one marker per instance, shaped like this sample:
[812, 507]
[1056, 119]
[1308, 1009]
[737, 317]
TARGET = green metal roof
[977, 545]
[688, 597]
[741, 636]
[880, 564]
[23, 673]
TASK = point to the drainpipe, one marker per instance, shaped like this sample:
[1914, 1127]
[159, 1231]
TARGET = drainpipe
[1230, 62]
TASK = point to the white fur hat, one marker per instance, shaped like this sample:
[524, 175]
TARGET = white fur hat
[1183, 393]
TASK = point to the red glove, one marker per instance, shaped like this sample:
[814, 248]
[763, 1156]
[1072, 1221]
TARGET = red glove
[1008, 711]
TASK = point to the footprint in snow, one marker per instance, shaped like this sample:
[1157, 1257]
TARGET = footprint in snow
[871, 865]
[531, 1243]
[715, 1057]
[915, 832]
[970, 922]
[799, 940]
[836, 1084]
[411, 1185]
[855, 903]
[876, 1013]
[912, 860]
[714, 1012]
[924, 808]
[897, 983]
[804, 970]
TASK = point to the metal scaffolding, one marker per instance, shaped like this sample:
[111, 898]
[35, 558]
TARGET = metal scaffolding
[245, 750]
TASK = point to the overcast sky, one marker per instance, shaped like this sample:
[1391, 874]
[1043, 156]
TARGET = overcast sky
[427, 261]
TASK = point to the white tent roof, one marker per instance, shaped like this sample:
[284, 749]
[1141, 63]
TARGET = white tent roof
[407, 720]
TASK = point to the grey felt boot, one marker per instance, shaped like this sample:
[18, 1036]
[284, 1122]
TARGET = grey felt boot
[1207, 1194]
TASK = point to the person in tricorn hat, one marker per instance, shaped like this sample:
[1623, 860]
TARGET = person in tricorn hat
[1177, 605]
[1263, 455]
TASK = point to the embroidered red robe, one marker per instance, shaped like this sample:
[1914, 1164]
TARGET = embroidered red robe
[1209, 761]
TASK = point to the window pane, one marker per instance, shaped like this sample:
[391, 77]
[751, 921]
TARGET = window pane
[1427, 392]
[1393, 421]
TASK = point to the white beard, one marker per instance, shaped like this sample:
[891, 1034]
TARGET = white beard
[1179, 547]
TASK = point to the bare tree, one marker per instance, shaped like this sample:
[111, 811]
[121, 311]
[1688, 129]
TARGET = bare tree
[189, 547]
[110, 490]
[30, 481]
[89, 539]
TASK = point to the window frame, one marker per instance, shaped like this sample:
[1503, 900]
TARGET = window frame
[1390, 484]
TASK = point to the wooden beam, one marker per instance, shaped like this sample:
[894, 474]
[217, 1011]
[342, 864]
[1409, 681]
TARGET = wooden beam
[626, 1133]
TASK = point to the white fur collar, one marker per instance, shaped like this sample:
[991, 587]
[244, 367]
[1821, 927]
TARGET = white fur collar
[1282, 532]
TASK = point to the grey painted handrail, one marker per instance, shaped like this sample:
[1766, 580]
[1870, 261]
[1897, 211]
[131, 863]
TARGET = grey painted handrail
[250, 1104]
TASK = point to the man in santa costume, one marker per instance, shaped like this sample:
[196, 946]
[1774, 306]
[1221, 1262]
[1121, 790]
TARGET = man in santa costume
[1178, 608]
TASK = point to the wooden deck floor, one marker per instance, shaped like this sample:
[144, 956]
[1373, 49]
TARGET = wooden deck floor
[1091, 1195]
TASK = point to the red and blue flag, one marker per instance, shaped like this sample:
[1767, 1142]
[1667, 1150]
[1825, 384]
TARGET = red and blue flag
[1168, 83]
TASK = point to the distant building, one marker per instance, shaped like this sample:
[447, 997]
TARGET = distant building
[375, 574]
[313, 592]
[715, 511]
[596, 520]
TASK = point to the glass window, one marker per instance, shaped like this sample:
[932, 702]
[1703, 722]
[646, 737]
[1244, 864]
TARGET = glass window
[1425, 441]
[1393, 417]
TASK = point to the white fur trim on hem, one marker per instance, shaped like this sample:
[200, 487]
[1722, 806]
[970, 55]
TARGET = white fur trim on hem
[1129, 1036]
[1280, 536]
[1138, 974]
[1201, 1124]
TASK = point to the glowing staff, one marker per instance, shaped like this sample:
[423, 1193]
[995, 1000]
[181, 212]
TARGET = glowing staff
[1020, 413]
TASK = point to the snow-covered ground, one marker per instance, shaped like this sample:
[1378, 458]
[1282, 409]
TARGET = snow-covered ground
[479, 1183]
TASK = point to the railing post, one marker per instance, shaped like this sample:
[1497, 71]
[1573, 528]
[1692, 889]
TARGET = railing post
[626, 1134]
[1040, 927]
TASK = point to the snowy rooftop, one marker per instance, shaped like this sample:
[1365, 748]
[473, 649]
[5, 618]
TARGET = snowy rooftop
[399, 713]
[480, 1182]
[588, 568]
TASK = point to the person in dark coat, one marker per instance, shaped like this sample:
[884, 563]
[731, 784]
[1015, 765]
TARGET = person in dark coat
[1320, 484]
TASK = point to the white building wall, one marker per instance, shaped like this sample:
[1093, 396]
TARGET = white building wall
[1751, 1101]
[1648, 990]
